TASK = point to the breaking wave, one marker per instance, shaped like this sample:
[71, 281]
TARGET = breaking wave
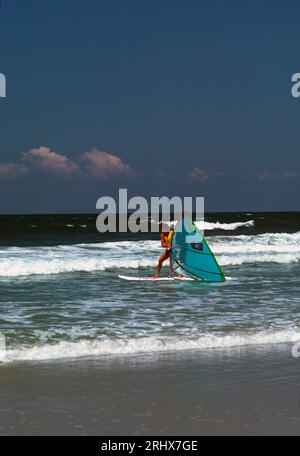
[218, 225]
[22, 261]
[145, 345]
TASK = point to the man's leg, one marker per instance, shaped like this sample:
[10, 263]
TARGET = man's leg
[163, 257]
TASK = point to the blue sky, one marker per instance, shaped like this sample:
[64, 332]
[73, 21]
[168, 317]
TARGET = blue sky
[162, 97]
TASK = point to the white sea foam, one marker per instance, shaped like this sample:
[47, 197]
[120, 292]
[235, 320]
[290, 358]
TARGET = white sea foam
[223, 226]
[146, 345]
[226, 260]
[21, 267]
[262, 248]
[202, 225]
[230, 250]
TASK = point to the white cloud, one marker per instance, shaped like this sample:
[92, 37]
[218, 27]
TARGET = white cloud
[8, 170]
[104, 165]
[202, 175]
[266, 174]
[47, 160]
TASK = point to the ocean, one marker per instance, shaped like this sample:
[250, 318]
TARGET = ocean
[61, 297]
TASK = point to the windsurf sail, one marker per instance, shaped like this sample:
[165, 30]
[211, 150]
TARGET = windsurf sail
[192, 255]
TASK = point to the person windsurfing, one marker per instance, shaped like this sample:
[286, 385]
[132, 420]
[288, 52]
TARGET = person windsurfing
[166, 243]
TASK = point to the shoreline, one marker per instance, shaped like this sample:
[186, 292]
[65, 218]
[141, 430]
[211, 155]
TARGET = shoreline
[237, 391]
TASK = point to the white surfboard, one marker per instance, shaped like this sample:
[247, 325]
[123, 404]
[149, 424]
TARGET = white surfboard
[151, 279]
[154, 279]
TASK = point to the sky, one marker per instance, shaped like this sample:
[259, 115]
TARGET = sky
[162, 98]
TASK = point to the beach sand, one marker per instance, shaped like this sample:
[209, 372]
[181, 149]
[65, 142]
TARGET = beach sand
[248, 391]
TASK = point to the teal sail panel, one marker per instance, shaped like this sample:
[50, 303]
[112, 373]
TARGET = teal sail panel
[191, 253]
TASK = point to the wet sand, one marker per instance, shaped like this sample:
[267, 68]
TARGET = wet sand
[244, 391]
